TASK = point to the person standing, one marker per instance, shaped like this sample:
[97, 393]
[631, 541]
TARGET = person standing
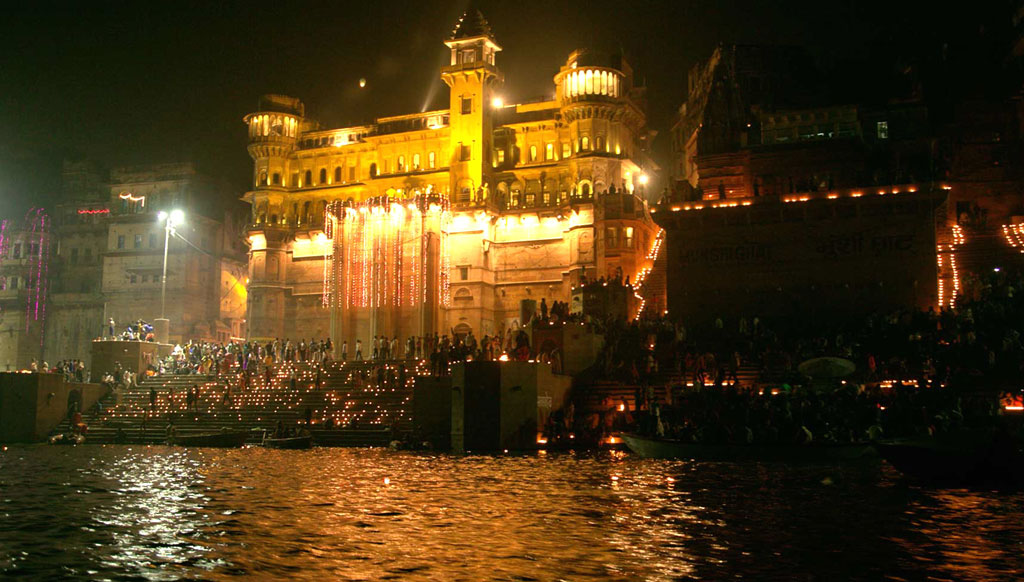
[359, 350]
[344, 350]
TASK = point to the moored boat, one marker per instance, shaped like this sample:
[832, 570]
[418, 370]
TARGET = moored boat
[298, 442]
[223, 439]
[963, 461]
[67, 439]
[654, 448]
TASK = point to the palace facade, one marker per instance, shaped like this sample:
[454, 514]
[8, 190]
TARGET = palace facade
[450, 221]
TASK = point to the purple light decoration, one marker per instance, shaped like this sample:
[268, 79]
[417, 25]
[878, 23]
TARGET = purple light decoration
[44, 259]
[35, 306]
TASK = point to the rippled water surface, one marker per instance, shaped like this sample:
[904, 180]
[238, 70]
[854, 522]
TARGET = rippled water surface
[158, 513]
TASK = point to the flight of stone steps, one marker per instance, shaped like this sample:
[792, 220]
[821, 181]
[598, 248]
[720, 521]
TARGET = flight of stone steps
[605, 394]
[350, 408]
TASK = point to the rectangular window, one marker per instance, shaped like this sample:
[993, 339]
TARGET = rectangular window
[566, 149]
[74, 256]
[882, 128]
[88, 256]
[351, 173]
[467, 105]
[138, 241]
[611, 236]
[469, 56]
[132, 278]
[628, 243]
[465, 152]
[501, 156]
[152, 241]
[463, 273]
[549, 152]
[120, 241]
[145, 278]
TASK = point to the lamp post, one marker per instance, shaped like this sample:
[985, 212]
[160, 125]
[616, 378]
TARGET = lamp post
[170, 220]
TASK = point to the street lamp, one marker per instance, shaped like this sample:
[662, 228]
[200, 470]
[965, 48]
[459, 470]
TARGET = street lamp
[175, 218]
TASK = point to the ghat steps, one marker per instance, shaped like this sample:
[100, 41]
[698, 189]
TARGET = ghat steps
[349, 408]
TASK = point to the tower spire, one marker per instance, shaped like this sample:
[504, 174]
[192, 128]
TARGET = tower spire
[471, 25]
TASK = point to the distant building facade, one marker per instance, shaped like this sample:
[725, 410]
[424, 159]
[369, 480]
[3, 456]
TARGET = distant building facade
[449, 221]
[100, 257]
[24, 280]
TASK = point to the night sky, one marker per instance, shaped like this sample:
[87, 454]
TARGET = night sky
[146, 82]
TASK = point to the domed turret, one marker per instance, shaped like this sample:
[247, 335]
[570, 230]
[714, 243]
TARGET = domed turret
[273, 134]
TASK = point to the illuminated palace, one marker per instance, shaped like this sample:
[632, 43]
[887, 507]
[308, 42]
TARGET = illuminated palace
[460, 219]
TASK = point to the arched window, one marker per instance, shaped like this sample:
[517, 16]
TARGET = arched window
[337, 175]
[373, 170]
[323, 176]
[306, 208]
[401, 164]
[533, 153]
[599, 143]
[308, 180]
[415, 161]
[277, 179]
[263, 178]
[431, 160]
[295, 213]
[549, 151]
[585, 143]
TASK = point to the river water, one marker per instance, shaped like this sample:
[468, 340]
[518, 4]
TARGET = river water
[159, 513]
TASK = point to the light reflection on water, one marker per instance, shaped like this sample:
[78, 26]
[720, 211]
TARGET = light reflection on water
[158, 513]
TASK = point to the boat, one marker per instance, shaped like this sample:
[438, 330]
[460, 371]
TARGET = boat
[67, 439]
[297, 442]
[656, 448]
[957, 460]
[223, 439]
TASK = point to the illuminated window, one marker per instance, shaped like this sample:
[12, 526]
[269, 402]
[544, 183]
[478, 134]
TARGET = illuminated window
[628, 243]
[323, 176]
[566, 149]
[549, 151]
[546, 198]
[431, 160]
[611, 237]
[501, 156]
[882, 128]
[533, 153]
[401, 164]
[337, 174]
[415, 161]
[467, 105]
[469, 56]
[585, 143]
[308, 179]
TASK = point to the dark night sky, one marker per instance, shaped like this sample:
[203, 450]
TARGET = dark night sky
[142, 82]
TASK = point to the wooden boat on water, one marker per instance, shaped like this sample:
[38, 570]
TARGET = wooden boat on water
[297, 442]
[67, 439]
[957, 461]
[223, 439]
[654, 448]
